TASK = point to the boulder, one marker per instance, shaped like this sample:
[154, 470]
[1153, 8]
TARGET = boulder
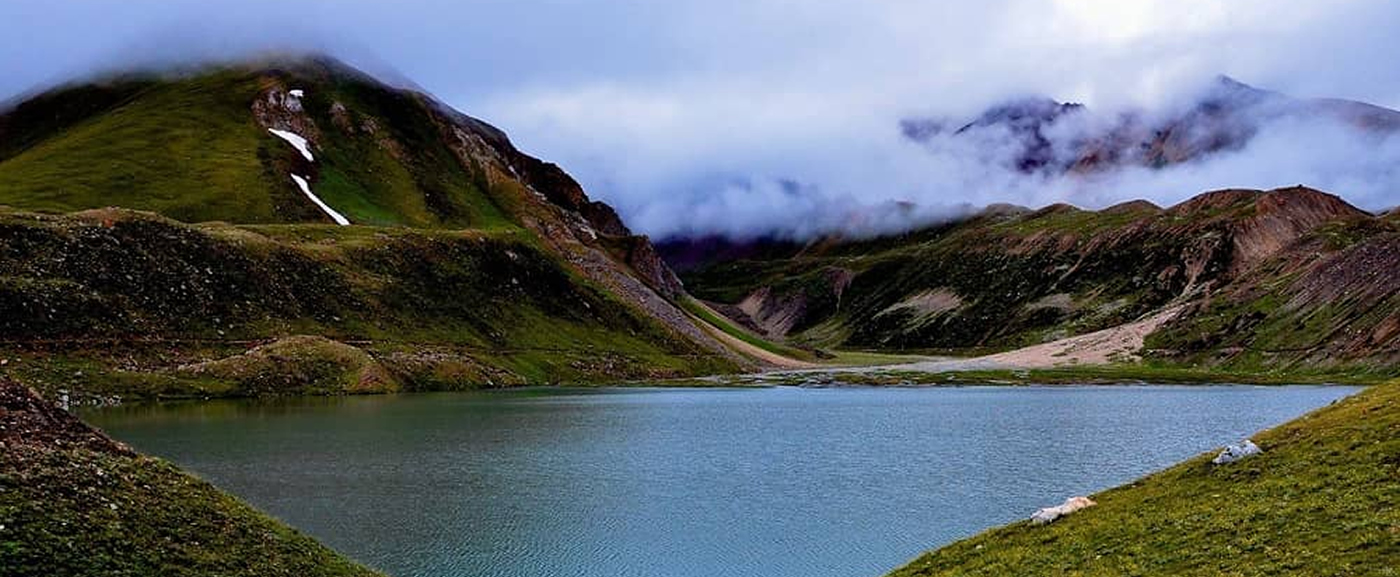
[1232, 453]
[1050, 514]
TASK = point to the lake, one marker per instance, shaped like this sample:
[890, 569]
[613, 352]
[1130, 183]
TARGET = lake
[775, 482]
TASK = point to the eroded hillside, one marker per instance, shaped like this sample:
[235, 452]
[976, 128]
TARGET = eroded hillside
[1286, 276]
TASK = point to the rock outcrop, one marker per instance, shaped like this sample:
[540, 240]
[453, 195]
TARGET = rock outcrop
[1052, 514]
[26, 419]
[1241, 450]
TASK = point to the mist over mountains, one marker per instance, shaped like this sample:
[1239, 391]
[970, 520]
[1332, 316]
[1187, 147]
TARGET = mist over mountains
[727, 116]
[1035, 151]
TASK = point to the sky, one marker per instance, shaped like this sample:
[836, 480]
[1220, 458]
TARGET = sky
[750, 116]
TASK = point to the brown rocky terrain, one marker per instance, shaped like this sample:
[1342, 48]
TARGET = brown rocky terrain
[1287, 276]
[28, 420]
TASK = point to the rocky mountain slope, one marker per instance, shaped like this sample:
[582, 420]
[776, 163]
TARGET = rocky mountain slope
[285, 149]
[1270, 279]
[1041, 135]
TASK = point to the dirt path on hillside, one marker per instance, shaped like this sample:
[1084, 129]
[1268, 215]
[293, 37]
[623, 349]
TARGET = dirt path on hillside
[769, 358]
[1120, 343]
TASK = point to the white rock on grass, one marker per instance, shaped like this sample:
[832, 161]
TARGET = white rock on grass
[1050, 514]
[1232, 453]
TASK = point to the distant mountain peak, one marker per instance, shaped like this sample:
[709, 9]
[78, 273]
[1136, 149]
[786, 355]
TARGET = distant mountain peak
[1226, 81]
[1225, 115]
[1023, 113]
[313, 64]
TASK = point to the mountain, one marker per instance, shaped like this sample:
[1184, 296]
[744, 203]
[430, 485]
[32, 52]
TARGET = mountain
[467, 262]
[1022, 121]
[199, 146]
[1041, 135]
[1254, 279]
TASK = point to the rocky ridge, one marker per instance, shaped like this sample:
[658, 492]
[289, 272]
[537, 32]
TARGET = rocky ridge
[1291, 275]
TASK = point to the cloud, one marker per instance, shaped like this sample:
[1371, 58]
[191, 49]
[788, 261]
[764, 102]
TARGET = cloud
[667, 150]
[698, 115]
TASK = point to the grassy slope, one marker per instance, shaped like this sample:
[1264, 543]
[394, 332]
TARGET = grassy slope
[1324, 499]
[155, 153]
[424, 186]
[434, 309]
[498, 301]
[73, 503]
[190, 148]
[718, 321]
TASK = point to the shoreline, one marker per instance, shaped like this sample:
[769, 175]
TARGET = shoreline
[1098, 495]
[836, 376]
[1119, 521]
[1105, 496]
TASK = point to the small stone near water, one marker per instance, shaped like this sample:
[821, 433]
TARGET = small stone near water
[1050, 514]
[1232, 453]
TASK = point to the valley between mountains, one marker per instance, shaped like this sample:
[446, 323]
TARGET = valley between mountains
[292, 226]
[468, 264]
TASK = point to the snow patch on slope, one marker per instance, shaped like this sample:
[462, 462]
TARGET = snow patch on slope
[296, 140]
[298, 93]
[306, 189]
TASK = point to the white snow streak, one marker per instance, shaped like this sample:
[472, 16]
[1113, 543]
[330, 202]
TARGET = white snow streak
[296, 140]
[306, 188]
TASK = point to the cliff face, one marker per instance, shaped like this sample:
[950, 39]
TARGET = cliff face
[1247, 264]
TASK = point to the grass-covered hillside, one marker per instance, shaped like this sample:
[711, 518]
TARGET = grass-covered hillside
[234, 142]
[1323, 499]
[157, 307]
[197, 147]
[75, 503]
[467, 262]
[1286, 277]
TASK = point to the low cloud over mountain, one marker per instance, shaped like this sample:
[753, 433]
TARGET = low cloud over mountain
[751, 116]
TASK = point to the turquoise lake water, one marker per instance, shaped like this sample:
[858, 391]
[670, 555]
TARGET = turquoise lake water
[778, 482]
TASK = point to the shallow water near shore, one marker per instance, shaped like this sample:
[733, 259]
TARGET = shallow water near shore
[775, 482]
